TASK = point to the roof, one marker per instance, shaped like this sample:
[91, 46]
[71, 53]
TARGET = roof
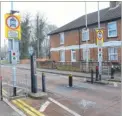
[106, 14]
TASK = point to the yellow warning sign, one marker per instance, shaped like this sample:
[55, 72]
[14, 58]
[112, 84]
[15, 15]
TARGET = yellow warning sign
[99, 33]
[12, 27]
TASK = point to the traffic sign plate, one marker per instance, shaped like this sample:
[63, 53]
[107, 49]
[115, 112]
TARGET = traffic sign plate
[12, 22]
[99, 35]
[30, 50]
[13, 34]
[12, 26]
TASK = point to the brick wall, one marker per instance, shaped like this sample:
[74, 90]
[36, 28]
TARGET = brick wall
[72, 38]
[55, 56]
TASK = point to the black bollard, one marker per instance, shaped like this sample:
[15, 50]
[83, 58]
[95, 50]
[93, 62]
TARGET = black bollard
[97, 73]
[43, 83]
[33, 74]
[112, 72]
[70, 80]
[92, 76]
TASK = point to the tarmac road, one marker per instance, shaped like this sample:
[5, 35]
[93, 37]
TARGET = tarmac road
[83, 98]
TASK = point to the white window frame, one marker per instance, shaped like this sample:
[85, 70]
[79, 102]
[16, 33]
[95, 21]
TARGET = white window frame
[62, 59]
[114, 22]
[73, 52]
[85, 31]
[85, 54]
[112, 54]
[61, 38]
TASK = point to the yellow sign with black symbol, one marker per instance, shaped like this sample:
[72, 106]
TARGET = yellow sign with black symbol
[12, 26]
[100, 38]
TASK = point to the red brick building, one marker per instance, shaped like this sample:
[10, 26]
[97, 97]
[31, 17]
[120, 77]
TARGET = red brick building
[68, 43]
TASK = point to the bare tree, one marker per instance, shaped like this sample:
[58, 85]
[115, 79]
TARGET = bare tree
[39, 33]
[46, 45]
[25, 36]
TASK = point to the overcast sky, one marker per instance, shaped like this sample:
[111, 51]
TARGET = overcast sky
[58, 13]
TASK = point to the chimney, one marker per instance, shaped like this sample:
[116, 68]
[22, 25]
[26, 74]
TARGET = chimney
[114, 3]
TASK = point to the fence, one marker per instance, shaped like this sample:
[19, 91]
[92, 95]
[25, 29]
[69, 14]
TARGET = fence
[79, 66]
[22, 87]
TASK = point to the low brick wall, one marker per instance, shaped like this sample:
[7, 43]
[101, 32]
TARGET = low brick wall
[25, 61]
[70, 66]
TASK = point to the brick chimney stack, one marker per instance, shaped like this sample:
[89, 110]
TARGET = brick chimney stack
[114, 3]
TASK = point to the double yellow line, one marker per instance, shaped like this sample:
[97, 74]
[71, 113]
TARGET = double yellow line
[25, 107]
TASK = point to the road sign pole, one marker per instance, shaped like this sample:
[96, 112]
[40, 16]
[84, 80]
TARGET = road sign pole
[14, 80]
[14, 67]
[99, 60]
[86, 40]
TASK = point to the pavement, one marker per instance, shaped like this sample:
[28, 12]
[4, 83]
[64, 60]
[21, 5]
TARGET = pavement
[6, 110]
[83, 99]
[75, 74]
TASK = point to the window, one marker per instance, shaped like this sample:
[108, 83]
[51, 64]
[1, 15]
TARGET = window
[113, 53]
[62, 56]
[85, 34]
[86, 54]
[61, 38]
[112, 29]
[73, 55]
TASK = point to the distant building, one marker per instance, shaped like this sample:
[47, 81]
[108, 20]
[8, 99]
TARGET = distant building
[68, 43]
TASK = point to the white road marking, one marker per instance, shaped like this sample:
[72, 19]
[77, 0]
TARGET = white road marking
[44, 106]
[86, 103]
[13, 107]
[19, 90]
[64, 107]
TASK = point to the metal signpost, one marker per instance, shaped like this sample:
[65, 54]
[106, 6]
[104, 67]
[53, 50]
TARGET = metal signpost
[33, 70]
[12, 33]
[99, 32]
[86, 31]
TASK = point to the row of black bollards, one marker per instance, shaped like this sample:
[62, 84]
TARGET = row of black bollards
[44, 84]
[97, 74]
[70, 78]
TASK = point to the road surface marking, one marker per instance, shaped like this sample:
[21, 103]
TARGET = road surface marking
[30, 108]
[13, 107]
[64, 107]
[86, 103]
[44, 106]
[19, 90]
[24, 108]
